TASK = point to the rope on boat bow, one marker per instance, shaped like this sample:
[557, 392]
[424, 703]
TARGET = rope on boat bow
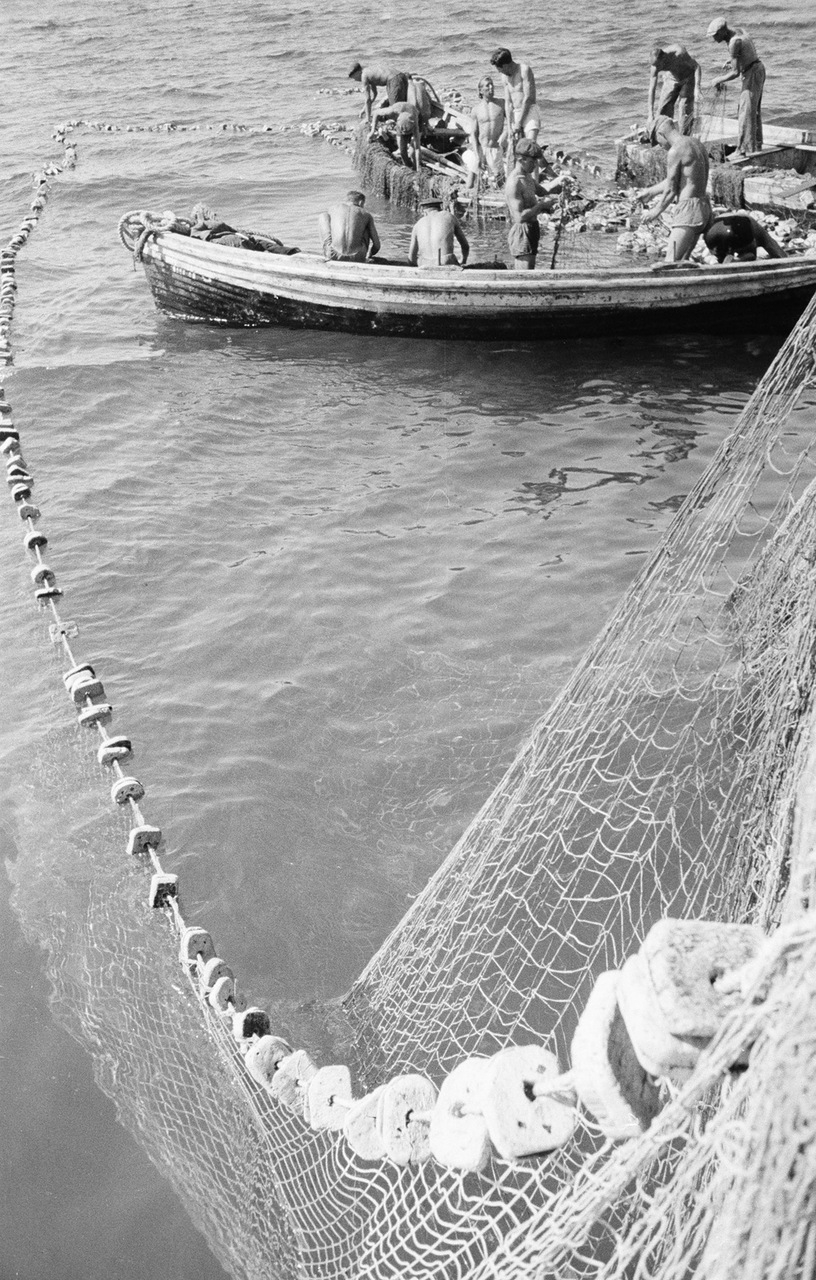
[140, 225]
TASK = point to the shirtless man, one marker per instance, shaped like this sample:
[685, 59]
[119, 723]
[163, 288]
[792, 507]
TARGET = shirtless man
[395, 84]
[488, 134]
[372, 79]
[526, 199]
[680, 87]
[348, 232]
[523, 115]
[746, 66]
[685, 186]
[426, 105]
[433, 236]
[407, 125]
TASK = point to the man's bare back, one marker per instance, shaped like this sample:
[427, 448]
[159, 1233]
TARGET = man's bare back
[348, 232]
[677, 62]
[432, 240]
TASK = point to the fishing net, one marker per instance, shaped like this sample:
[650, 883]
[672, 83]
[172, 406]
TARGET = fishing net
[670, 777]
[382, 173]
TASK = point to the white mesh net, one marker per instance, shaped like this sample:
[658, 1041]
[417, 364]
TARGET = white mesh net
[665, 779]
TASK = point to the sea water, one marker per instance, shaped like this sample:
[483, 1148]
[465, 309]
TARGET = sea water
[329, 581]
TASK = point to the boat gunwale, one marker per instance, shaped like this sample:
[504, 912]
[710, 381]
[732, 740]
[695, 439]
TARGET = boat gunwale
[306, 268]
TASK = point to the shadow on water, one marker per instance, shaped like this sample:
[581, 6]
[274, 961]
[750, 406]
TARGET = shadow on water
[665, 365]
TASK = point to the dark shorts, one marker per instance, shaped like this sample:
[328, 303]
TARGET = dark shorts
[523, 238]
[396, 87]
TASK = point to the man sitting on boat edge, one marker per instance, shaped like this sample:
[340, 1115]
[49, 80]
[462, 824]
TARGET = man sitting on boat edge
[347, 231]
[433, 236]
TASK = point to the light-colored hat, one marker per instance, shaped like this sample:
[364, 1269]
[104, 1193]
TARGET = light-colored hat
[715, 27]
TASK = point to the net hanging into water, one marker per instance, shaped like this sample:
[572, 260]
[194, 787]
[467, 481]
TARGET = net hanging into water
[663, 780]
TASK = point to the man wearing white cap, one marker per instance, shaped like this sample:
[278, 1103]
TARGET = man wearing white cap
[746, 66]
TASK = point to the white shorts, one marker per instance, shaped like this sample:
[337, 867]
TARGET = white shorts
[533, 122]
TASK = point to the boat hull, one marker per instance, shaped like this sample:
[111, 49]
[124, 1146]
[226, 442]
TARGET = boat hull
[199, 282]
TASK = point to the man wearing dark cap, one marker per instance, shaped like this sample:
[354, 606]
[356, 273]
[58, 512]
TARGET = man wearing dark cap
[520, 106]
[736, 236]
[747, 67]
[433, 236]
[526, 199]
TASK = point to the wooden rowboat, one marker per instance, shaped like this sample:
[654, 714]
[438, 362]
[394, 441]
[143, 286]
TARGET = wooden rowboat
[198, 281]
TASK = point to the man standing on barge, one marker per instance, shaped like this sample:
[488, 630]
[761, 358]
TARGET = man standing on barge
[747, 67]
[680, 85]
[521, 108]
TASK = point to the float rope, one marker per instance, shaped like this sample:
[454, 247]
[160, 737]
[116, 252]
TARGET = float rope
[267, 1059]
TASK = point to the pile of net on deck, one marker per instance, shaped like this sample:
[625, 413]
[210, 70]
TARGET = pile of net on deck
[666, 779]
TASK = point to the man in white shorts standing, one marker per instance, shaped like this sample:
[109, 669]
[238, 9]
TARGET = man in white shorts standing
[521, 108]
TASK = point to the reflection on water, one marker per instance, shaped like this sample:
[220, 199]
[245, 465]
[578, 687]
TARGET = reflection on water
[297, 558]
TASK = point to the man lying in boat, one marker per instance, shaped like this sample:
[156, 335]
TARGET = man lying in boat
[407, 128]
[205, 224]
[433, 237]
[347, 231]
[737, 237]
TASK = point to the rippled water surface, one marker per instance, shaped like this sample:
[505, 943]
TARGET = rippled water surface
[329, 581]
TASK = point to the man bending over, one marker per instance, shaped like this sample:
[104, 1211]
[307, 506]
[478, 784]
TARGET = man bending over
[680, 84]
